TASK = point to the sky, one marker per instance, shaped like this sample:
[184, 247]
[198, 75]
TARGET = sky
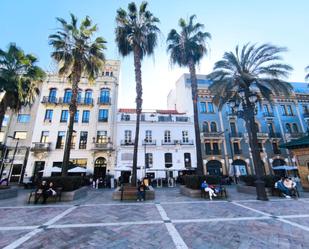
[230, 22]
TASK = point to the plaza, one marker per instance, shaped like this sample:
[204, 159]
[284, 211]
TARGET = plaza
[170, 221]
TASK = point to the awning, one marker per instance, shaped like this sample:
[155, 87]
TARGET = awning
[54, 170]
[77, 170]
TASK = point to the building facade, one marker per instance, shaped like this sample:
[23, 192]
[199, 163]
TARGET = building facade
[225, 146]
[93, 144]
[166, 143]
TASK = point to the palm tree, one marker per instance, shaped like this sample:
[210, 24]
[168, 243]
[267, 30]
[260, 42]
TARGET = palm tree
[136, 33]
[238, 75]
[307, 75]
[19, 79]
[186, 49]
[78, 55]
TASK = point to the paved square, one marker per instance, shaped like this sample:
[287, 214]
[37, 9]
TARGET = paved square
[170, 221]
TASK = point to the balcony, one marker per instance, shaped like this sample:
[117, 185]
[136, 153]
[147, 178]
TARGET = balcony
[236, 134]
[126, 143]
[214, 135]
[295, 135]
[85, 101]
[213, 152]
[49, 100]
[188, 142]
[274, 135]
[268, 114]
[104, 101]
[40, 147]
[171, 142]
[149, 142]
[260, 135]
[101, 146]
[165, 119]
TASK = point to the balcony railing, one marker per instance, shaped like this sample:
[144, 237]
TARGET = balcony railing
[236, 134]
[126, 143]
[104, 101]
[274, 135]
[85, 101]
[295, 134]
[149, 142]
[213, 134]
[102, 146]
[182, 119]
[171, 142]
[37, 146]
[49, 100]
[64, 100]
[213, 152]
[268, 114]
[262, 135]
[188, 142]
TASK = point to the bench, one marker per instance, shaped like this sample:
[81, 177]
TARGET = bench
[278, 192]
[222, 193]
[54, 198]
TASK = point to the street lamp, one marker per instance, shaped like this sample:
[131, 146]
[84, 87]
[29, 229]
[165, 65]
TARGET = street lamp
[14, 153]
[232, 155]
[245, 108]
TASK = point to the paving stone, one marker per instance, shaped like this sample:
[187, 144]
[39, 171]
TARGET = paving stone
[7, 237]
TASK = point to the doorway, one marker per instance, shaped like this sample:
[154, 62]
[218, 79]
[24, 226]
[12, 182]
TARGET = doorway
[99, 168]
[214, 167]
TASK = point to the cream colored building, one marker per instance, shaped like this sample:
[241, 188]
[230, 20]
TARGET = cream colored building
[94, 129]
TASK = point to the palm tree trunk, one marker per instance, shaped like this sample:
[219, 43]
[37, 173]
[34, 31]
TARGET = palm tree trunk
[72, 109]
[199, 159]
[139, 102]
[2, 113]
[255, 150]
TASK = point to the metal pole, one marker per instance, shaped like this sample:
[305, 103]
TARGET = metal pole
[2, 161]
[145, 155]
[232, 155]
[9, 176]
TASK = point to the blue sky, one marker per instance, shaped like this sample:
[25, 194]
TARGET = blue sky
[231, 22]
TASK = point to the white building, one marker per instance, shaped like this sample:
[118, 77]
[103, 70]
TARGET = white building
[94, 129]
[166, 143]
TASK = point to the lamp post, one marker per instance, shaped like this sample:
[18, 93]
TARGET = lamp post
[232, 155]
[244, 105]
[14, 153]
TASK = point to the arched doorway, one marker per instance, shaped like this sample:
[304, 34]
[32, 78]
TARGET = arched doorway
[214, 167]
[278, 162]
[239, 167]
[99, 168]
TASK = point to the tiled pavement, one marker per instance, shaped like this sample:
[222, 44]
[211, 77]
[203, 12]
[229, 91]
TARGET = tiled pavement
[170, 221]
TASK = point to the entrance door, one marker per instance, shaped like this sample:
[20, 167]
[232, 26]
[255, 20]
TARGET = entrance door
[38, 170]
[16, 171]
[99, 168]
[214, 167]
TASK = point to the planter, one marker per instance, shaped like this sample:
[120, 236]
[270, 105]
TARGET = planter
[6, 193]
[195, 193]
[130, 193]
[68, 195]
[251, 190]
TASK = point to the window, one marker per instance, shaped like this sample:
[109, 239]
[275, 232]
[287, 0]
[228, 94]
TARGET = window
[148, 136]
[283, 110]
[295, 128]
[44, 137]
[205, 127]
[266, 109]
[79, 96]
[67, 96]
[203, 107]
[216, 150]
[104, 96]
[23, 118]
[167, 136]
[289, 110]
[236, 148]
[270, 127]
[60, 140]
[127, 136]
[76, 116]
[168, 159]
[83, 139]
[213, 127]
[207, 149]
[88, 97]
[101, 137]
[149, 160]
[103, 115]
[80, 162]
[48, 115]
[185, 137]
[20, 134]
[288, 128]
[64, 116]
[187, 160]
[233, 128]
[52, 97]
[210, 107]
[86, 116]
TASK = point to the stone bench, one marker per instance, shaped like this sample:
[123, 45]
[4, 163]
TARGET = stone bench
[130, 193]
[6, 193]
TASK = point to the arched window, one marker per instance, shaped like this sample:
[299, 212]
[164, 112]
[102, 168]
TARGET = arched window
[213, 127]
[104, 96]
[295, 128]
[205, 127]
[288, 128]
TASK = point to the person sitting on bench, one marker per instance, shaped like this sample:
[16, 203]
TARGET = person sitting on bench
[286, 186]
[141, 188]
[42, 191]
[207, 188]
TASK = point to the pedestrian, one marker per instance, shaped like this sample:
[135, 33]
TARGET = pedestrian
[141, 188]
[208, 189]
